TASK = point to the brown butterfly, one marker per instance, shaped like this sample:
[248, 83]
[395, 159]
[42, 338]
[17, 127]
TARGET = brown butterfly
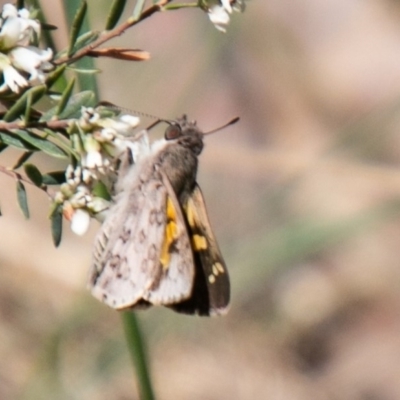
[156, 246]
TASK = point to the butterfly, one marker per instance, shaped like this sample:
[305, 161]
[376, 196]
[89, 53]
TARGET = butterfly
[156, 245]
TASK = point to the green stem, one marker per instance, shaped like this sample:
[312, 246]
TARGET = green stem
[181, 5]
[137, 349]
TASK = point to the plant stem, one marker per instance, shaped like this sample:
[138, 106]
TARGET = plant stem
[137, 349]
[181, 5]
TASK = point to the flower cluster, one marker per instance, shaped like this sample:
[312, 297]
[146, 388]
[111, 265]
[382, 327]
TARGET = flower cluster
[103, 138]
[219, 13]
[98, 141]
[77, 199]
[21, 63]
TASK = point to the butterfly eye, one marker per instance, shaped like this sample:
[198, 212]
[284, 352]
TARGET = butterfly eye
[173, 132]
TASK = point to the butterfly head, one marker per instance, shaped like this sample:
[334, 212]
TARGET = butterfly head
[186, 134]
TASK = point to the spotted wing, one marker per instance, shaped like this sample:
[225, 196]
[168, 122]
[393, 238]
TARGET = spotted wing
[211, 288]
[174, 279]
[132, 246]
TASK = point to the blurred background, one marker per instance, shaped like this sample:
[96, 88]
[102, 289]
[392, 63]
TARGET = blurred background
[303, 195]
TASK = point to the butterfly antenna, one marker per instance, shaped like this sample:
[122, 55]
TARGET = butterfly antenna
[231, 122]
[127, 110]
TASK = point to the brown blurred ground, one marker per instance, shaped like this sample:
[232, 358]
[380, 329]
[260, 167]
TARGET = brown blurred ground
[303, 195]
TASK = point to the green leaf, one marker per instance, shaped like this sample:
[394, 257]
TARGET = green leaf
[100, 190]
[41, 144]
[137, 11]
[45, 38]
[3, 146]
[73, 107]
[55, 75]
[117, 8]
[65, 97]
[84, 40]
[86, 82]
[76, 27]
[56, 218]
[19, 107]
[48, 27]
[10, 139]
[22, 199]
[28, 108]
[34, 174]
[76, 102]
[54, 178]
[49, 114]
[86, 71]
[24, 157]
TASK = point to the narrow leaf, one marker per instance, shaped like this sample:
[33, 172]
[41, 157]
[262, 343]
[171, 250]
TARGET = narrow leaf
[28, 107]
[76, 102]
[33, 174]
[22, 199]
[84, 40]
[24, 157]
[116, 10]
[56, 218]
[48, 27]
[100, 190]
[86, 82]
[121, 54]
[76, 26]
[65, 97]
[137, 11]
[9, 139]
[54, 178]
[55, 75]
[19, 107]
[41, 144]
[92, 71]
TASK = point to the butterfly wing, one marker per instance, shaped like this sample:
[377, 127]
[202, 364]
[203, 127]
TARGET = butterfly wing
[211, 289]
[125, 256]
[174, 279]
[130, 262]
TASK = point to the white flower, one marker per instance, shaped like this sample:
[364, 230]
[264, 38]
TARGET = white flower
[87, 176]
[219, 16]
[81, 197]
[17, 28]
[123, 125]
[89, 118]
[227, 5]
[59, 197]
[80, 221]
[32, 60]
[98, 204]
[93, 159]
[72, 176]
[106, 135]
[130, 120]
[239, 5]
[9, 10]
[11, 77]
